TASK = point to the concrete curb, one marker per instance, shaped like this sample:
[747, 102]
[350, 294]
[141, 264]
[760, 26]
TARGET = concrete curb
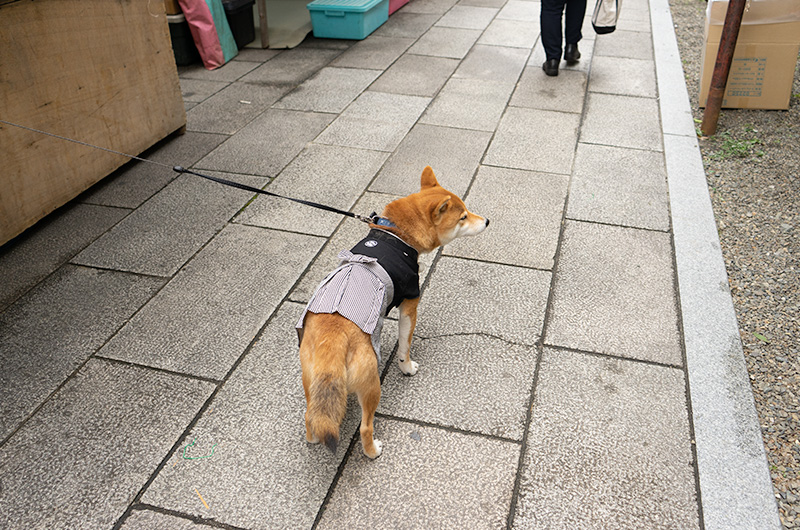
[734, 480]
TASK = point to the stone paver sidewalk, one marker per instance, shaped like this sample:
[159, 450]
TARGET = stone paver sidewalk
[579, 361]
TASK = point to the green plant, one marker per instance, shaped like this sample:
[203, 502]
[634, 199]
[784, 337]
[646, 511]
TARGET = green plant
[735, 148]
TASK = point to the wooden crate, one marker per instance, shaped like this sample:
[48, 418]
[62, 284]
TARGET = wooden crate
[97, 71]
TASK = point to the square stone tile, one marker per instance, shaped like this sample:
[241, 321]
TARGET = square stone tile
[630, 44]
[608, 447]
[619, 75]
[330, 90]
[256, 55]
[586, 47]
[512, 33]
[524, 225]
[166, 231]
[620, 186]
[197, 90]
[135, 182]
[405, 23]
[564, 93]
[429, 145]
[438, 7]
[54, 328]
[376, 53]
[257, 422]
[149, 520]
[607, 121]
[614, 293]
[456, 386]
[416, 75]
[54, 240]
[471, 297]
[536, 140]
[469, 104]
[292, 67]
[89, 450]
[204, 318]
[232, 108]
[230, 71]
[376, 120]
[467, 17]
[425, 478]
[492, 63]
[520, 10]
[446, 42]
[330, 175]
[268, 143]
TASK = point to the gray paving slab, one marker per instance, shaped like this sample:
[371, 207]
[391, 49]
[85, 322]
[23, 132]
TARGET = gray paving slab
[332, 175]
[233, 107]
[614, 294]
[228, 72]
[375, 120]
[41, 250]
[456, 387]
[106, 431]
[492, 62]
[520, 10]
[454, 43]
[54, 328]
[620, 75]
[525, 209]
[276, 137]
[733, 476]
[291, 67]
[257, 55]
[536, 140]
[429, 145]
[512, 33]
[165, 232]
[608, 447]
[607, 121]
[425, 478]
[198, 90]
[416, 75]
[405, 23]
[205, 317]
[377, 53]
[619, 186]
[256, 422]
[475, 104]
[147, 519]
[483, 3]
[584, 64]
[438, 7]
[136, 182]
[329, 90]
[630, 44]
[506, 302]
[535, 90]
[467, 17]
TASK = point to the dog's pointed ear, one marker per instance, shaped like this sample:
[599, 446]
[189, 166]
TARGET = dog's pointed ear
[428, 179]
[440, 209]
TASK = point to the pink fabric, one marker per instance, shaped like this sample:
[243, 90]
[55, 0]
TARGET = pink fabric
[204, 32]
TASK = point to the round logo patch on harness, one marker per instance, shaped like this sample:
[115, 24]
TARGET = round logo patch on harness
[370, 243]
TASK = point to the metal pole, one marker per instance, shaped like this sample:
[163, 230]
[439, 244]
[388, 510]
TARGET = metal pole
[722, 67]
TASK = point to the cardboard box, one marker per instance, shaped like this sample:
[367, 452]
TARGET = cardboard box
[766, 52]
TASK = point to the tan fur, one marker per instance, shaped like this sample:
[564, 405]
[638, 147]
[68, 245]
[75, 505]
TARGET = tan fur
[337, 357]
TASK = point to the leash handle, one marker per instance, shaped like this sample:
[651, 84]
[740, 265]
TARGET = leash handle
[374, 218]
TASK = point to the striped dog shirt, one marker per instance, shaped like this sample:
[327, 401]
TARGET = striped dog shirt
[373, 277]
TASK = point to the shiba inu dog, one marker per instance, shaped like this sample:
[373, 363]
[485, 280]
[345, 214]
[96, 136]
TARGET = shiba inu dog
[339, 331]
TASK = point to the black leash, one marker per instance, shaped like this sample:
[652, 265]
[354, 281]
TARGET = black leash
[373, 218]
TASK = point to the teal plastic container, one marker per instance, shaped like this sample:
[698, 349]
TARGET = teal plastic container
[347, 19]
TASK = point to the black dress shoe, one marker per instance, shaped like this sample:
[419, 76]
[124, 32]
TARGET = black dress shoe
[571, 53]
[550, 67]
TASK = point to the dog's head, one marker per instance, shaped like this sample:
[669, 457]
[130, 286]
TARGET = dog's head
[433, 216]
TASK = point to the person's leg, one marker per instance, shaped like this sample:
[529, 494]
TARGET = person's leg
[573, 20]
[550, 21]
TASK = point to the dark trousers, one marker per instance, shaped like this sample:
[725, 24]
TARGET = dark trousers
[550, 20]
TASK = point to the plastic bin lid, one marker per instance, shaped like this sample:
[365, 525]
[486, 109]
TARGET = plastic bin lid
[357, 6]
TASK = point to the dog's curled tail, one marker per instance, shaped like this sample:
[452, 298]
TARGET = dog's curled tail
[328, 404]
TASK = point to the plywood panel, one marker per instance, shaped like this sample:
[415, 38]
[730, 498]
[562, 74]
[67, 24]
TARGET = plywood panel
[99, 71]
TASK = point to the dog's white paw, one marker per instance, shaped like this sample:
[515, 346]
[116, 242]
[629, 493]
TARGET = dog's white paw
[409, 367]
[378, 449]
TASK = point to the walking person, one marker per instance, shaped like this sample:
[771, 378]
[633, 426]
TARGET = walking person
[552, 36]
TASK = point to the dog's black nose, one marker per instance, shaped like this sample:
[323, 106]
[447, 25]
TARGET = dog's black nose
[487, 222]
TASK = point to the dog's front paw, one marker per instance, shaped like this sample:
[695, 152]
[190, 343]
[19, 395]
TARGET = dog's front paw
[377, 446]
[409, 367]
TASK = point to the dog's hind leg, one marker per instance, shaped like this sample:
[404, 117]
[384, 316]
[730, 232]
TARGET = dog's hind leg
[367, 385]
[407, 323]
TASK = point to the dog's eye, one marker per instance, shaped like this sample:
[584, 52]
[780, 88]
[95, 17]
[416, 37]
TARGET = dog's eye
[464, 217]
